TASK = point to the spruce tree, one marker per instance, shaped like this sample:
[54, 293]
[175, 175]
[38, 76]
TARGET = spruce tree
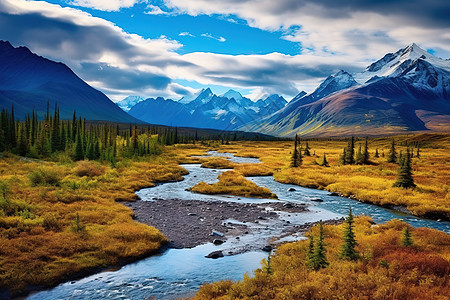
[406, 238]
[78, 148]
[319, 257]
[404, 176]
[324, 161]
[392, 157]
[418, 152]
[307, 152]
[348, 250]
[350, 152]
[366, 155]
[359, 157]
[295, 155]
[376, 153]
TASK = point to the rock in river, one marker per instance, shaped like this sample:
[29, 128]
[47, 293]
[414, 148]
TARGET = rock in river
[218, 242]
[316, 200]
[291, 189]
[215, 254]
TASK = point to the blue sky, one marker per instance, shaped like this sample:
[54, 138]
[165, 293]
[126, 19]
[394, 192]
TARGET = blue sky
[171, 48]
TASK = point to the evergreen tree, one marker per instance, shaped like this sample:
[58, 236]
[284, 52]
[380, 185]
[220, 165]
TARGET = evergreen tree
[376, 153]
[307, 152]
[295, 155]
[392, 157]
[418, 152]
[78, 148]
[22, 145]
[406, 238]
[342, 157]
[348, 250]
[324, 162]
[350, 152]
[359, 157]
[319, 260]
[268, 265]
[404, 176]
[366, 155]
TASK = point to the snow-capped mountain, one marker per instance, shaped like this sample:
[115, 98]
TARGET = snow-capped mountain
[127, 103]
[408, 90]
[29, 81]
[207, 110]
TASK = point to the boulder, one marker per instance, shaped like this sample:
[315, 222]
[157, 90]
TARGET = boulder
[218, 242]
[333, 194]
[267, 248]
[291, 189]
[215, 254]
[316, 200]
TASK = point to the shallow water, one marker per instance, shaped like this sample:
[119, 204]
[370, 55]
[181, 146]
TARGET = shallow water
[180, 272]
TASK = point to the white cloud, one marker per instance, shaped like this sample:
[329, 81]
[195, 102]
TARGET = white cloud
[155, 10]
[217, 38]
[185, 33]
[121, 64]
[106, 5]
[364, 29]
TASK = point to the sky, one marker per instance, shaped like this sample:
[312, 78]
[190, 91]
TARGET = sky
[173, 48]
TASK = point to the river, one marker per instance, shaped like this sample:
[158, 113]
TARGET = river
[180, 272]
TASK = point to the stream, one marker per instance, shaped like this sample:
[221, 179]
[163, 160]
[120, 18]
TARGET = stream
[180, 272]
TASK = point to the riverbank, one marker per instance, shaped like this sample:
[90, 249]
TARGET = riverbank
[189, 223]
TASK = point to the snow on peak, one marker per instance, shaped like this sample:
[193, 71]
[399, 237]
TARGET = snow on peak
[127, 103]
[190, 98]
[232, 94]
[394, 64]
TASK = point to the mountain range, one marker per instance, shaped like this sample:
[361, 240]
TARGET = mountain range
[408, 90]
[205, 110]
[29, 81]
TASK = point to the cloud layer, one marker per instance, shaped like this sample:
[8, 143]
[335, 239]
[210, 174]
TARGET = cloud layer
[345, 36]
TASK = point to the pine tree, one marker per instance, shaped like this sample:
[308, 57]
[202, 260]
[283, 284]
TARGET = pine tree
[376, 153]
[418, 152]
[366, 155]
[268, 265]
[307, 152]
[319, 258]
[342, 157]
[324, 162]
[392, 157]
[359, 157]
[295, 155]
[404, 176]
[348, 250]
[78, 148]
[350, 152]
[310, 254]
[22, 144]
[406, 238]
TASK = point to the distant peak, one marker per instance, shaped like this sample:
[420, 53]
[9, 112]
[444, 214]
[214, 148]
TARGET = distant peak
[5, 44]
[232, 94]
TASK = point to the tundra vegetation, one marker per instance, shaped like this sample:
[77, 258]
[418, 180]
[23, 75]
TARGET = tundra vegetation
[386, 267]
[61, 183]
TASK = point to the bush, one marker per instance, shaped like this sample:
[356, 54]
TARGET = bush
[44, 176]
[89, 168]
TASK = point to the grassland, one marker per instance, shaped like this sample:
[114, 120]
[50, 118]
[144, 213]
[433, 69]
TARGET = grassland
[59, 219]
[385, 269]
[233, 183]
[368, 183]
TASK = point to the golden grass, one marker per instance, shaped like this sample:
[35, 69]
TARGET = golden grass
[368, 183]
[386, 270]
[38, 243]
[233, 183]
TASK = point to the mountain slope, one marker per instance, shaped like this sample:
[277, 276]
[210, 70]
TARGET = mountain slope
[28, 81]
[404, 91]
[207, 110]
[127, 103]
